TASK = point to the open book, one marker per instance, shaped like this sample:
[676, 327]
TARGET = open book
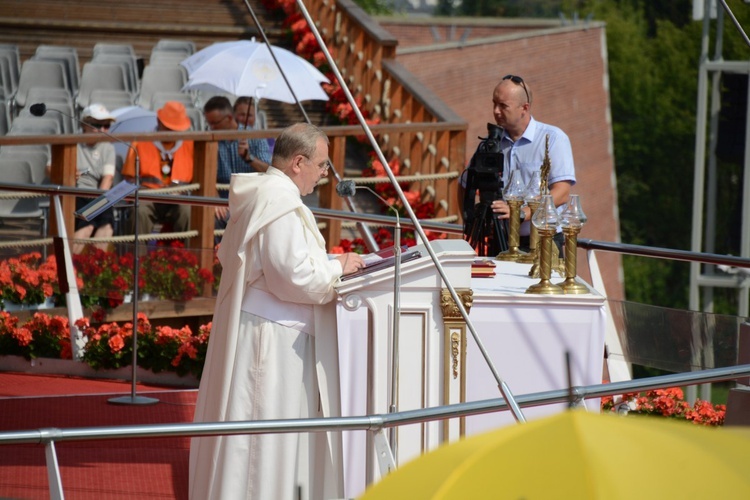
[108, 199]
[382, 259]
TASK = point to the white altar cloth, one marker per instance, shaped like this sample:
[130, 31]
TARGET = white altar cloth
[526, 337]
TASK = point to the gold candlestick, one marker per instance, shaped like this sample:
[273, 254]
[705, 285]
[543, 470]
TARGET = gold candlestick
[513, 193]
[570, 285]
[529, 258]
[545, 286]
[572, 220]
[513, 254]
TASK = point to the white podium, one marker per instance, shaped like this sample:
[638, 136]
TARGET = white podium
[526, 337]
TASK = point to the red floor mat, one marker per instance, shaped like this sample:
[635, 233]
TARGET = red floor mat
[111, 469]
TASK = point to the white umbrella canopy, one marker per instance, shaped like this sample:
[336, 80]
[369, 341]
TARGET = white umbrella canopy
[247, 68]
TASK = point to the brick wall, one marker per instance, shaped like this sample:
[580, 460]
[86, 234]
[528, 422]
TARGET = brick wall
[566, 68]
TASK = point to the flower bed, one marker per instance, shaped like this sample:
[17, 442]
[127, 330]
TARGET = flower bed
[667, 403]
[108, 346]
[104, 279]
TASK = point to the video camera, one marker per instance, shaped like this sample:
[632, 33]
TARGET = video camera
[485, 232]
[487, 166]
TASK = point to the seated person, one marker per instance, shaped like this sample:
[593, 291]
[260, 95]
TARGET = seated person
[95, 169]
[163, 164]
[244, 115]
[235, 156]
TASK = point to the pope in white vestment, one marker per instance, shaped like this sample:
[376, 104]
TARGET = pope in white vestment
[273, 350]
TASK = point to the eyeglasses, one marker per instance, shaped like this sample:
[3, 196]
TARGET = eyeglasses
[519, 81]
[322, 166]
[98, 126]
[213, 124]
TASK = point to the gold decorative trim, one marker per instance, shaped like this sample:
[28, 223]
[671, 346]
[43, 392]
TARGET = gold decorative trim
[454, 334]
[449, 307]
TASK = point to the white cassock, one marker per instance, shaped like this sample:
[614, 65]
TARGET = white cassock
[272, 352]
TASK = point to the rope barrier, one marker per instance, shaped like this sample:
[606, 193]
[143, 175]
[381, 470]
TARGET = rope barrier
[404, 178]
[127, 238]
[25, 243]
[13, 195]
[448, 219]
[178, 188]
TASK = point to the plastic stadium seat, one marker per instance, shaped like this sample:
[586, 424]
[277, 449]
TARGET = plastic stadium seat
[112, 99]
[10, 50]
[160, 58]
[100, 76]
[8, 84]
[4, 118]
[196, 118]
[114, 48]
[129, 67]
[18, 171]
[184, 46]
[68, 56]
[170, 78]
[48, 74]
[160, 97]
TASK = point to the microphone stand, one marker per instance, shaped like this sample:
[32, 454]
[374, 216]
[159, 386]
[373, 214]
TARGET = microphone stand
[133, 398]
[396, 325]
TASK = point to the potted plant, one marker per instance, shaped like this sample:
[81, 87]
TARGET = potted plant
[27, 281]
[172, 272]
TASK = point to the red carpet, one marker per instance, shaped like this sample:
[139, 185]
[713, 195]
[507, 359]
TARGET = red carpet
[112, 469]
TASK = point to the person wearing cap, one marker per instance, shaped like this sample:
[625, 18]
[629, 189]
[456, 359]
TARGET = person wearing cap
[163, 164]
[95, 169]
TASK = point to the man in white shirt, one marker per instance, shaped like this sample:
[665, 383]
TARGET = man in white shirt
[522, 144]
[272, 353]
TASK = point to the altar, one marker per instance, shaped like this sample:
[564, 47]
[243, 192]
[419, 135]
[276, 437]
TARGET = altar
[526, 337]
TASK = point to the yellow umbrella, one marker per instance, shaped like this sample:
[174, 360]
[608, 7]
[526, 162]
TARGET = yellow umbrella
[580, 455]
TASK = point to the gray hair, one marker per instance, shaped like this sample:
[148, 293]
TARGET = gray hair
[297, 139]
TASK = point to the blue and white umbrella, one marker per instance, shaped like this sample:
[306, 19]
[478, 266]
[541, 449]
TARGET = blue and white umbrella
[131, 119]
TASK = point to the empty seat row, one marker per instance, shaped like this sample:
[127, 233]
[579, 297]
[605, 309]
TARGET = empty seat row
[114, 69]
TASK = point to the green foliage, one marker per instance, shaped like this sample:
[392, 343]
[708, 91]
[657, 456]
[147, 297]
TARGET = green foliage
[376, 7]
[653, 53]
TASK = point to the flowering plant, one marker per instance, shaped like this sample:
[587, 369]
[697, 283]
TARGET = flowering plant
[668, 403]
[103, 277]
[162, 348]
[173, 273]
[27, 279]
[41, 336]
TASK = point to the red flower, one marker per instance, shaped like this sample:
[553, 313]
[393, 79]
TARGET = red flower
[116, 343]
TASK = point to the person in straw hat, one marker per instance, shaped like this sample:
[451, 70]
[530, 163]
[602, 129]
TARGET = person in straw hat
[95, 170]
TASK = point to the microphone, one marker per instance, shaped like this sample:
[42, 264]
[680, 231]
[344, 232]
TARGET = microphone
[346, 188]
[40, 109]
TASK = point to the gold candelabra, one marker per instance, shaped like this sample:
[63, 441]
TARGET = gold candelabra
[513, 193]
[545, 286]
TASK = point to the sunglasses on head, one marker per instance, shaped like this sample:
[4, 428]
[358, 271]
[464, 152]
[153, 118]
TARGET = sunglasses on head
[519, 81]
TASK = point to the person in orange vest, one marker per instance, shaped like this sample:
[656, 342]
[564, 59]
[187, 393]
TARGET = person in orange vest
[163, 164]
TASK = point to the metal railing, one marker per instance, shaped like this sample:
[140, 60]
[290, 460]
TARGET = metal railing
[373, 423]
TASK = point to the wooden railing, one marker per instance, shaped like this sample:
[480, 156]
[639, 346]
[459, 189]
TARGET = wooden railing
[365, 54]
[64, 158]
